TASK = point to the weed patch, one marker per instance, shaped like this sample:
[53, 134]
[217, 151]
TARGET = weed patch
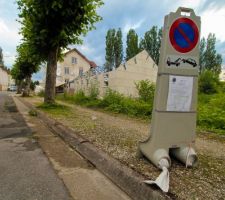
[211, 112]
[113, 102]
[56, 109]
[33, 113]
[211, 107]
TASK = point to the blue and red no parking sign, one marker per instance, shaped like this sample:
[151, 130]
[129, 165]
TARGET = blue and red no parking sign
[184, 35]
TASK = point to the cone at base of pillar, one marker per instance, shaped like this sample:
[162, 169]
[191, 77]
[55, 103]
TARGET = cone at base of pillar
[156, 156]
[186, 155]
[163, 180]
[161, 158]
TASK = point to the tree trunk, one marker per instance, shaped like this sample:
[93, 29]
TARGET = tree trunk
[26, 91]
[51, 76]
[19, 87]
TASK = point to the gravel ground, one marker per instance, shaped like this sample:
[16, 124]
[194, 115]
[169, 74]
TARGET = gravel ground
[119, 136]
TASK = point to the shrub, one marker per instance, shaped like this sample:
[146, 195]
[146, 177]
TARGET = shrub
[93, 91]
[116, 102]
[41, 93]
[222, 87]
[211, 111]
[111, 97]
[146, 90]
[55, 108]
[93, 103]
[33, 113]
[136, 107]
[78, 98]
[208, 82]
[112, 101]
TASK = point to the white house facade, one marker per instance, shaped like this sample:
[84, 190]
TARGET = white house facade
[74, 64]
[4, 79]
[122, 79]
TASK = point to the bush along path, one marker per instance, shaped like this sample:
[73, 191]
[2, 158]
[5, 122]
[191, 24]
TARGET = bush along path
[119, 136]
[211, 108]
[113, 102]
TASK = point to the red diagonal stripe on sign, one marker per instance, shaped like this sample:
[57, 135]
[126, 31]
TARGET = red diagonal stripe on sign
[184, 35]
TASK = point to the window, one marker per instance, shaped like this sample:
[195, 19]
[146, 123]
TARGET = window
[106, 79]
[81, 71]
[67, 70]
[74, 60]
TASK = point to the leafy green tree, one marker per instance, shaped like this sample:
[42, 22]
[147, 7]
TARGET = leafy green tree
[50, 26]
[209, 58]
[152, 42]
[118, 48]
[33, 85]
[158, 44]
[132, 44]
[109, 56]
[114, 49]
[208, 82]
[202, 47]
[218, 63]
[26, 64]
[18, 76]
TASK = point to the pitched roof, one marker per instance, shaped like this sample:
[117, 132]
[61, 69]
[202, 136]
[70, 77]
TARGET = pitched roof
[92, 63]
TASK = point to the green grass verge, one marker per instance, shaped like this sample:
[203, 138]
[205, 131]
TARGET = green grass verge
[211, 108]
[113, 102]
[55, 109]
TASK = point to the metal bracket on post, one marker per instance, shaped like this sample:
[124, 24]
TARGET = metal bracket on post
[186, 12]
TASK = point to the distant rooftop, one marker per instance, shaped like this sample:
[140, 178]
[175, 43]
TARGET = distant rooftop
[92, 63]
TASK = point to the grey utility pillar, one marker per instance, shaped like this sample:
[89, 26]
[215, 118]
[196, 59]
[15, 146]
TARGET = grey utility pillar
[173, 123]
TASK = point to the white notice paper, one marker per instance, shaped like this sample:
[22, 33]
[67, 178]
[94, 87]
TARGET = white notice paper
[180, 93]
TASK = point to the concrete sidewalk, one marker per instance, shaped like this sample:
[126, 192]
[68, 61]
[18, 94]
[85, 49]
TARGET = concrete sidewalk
[123, 176]
[82, 179]
[25, 172]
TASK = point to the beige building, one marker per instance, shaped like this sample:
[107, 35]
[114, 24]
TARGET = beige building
[140, 67]
[122, 79]
[4, 79]
[73, 65]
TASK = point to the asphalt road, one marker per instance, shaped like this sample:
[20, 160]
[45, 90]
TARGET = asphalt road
[25, 172]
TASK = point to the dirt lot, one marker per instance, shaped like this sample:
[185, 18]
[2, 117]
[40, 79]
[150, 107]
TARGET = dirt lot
[119, 136]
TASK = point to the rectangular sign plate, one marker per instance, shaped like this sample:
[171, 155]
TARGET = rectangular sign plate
[180, 93]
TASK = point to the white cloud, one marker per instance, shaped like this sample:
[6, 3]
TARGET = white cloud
[9, 58]
[9, 39]
[9, 32]
[194, 4]
[86, 49]
[132, 25]
[90, 52]
[99, 60]
[3, 27]
[213, 21]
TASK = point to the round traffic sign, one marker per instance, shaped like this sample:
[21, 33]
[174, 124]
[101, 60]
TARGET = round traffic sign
[184, 35]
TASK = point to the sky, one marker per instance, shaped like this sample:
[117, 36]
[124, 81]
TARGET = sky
[140, 15]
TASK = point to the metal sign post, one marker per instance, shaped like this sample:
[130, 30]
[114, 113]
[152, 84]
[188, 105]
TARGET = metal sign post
[173, 123]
